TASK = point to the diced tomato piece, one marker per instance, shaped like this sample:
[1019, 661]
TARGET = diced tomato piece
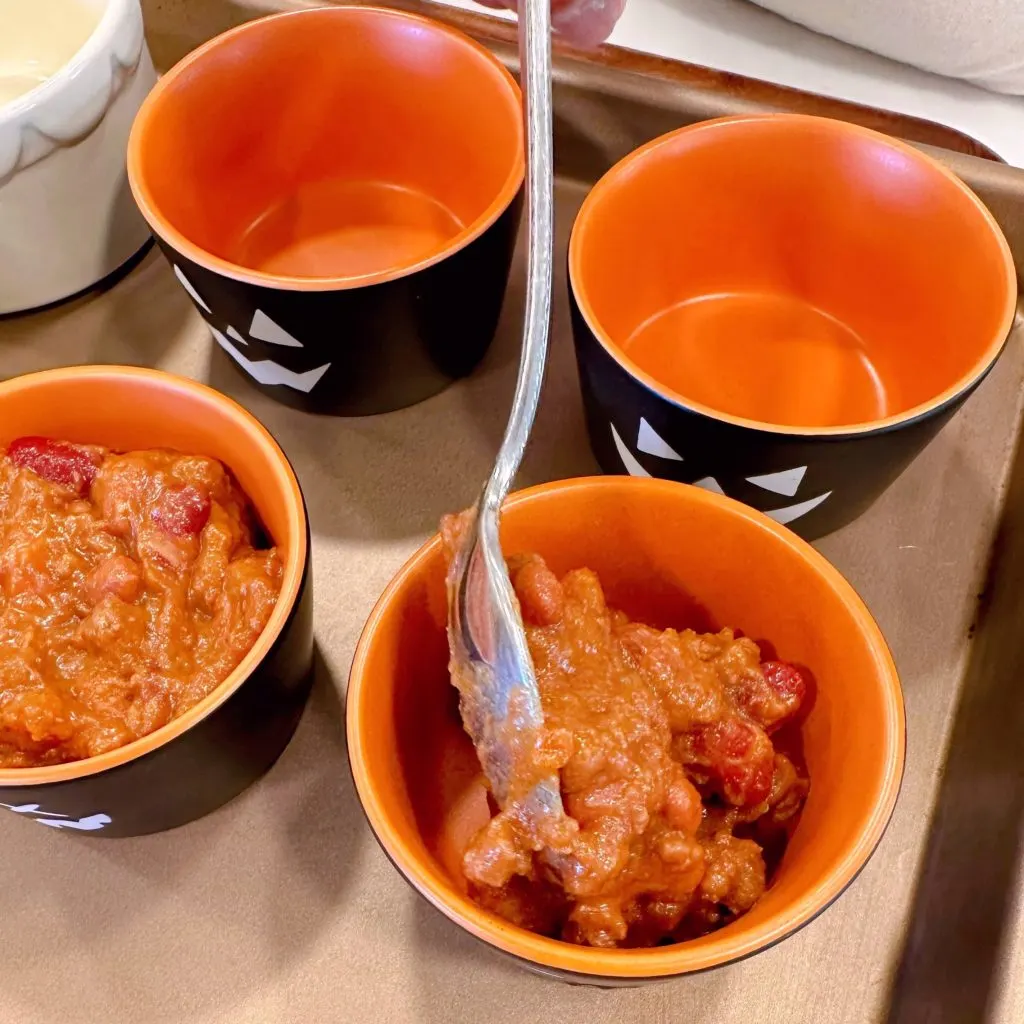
[787, 681]
[741, 757]
[182, 512]
[57, 461]
[770, 696]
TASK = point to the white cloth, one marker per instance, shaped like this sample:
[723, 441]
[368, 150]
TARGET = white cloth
[981, 41]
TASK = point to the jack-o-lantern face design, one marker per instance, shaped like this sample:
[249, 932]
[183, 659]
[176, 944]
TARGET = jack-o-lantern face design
[785, 482]
[345, 348]
[263, 329]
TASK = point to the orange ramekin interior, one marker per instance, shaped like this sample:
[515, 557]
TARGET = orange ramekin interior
[793, 272]
[126, 408]
[328, 148]
[667, 554]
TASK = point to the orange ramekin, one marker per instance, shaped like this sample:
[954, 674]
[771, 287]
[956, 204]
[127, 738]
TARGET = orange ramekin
[338, 189]
[782, 308]
[213, 751]
[666, 554]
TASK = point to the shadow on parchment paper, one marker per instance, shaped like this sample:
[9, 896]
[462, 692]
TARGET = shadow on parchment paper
[494, 989]
[950, 965]
[147, 313]
[395, 475]
[900, 555]
[392, 475]
[176, 926]
[139, 319]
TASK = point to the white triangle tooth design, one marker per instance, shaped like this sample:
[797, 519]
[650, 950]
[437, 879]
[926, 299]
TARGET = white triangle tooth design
[235, 336]
[628, 458]
[92, 823]
[266, 371]
[264, 329]
[187, 285]
[650, 442]
[791, 512]
[786, 482]
[709, 483]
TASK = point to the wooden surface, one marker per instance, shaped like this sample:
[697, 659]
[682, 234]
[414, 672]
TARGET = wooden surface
[281, 908]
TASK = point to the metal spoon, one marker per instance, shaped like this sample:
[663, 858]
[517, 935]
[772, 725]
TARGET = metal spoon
[490, 661]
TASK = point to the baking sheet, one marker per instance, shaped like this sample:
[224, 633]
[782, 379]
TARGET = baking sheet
[280, 908]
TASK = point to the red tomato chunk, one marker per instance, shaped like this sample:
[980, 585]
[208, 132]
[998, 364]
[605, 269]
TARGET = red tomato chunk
[130, 587]
[71, 465]
[182, 512]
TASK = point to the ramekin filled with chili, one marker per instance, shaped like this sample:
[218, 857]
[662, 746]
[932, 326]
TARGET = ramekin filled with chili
[155, 599]
[721, 712]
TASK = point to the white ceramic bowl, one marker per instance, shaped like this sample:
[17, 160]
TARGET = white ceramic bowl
[67, 219]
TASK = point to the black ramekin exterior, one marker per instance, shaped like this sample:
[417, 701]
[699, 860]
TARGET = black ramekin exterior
[202, 768]
[369, 349]
[827, 480]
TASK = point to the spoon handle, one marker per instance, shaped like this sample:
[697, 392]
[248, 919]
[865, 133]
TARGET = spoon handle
[535, 76]
[490, 664]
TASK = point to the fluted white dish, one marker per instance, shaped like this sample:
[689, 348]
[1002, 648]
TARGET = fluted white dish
[67, 218]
